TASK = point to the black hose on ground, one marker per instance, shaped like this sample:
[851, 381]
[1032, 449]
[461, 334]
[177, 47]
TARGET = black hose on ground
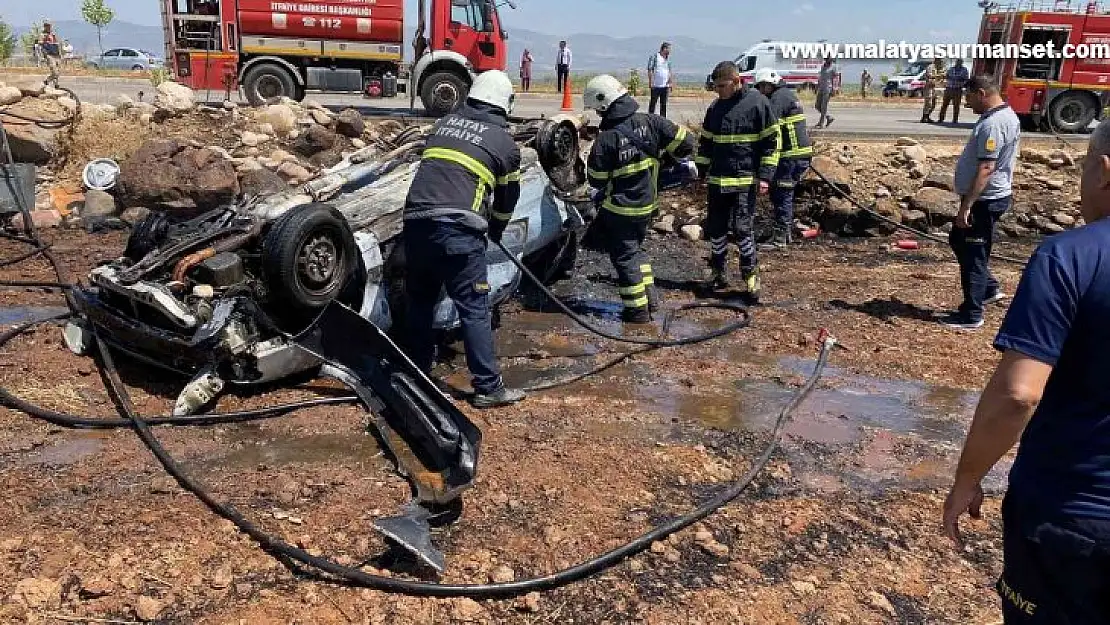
[870, 210]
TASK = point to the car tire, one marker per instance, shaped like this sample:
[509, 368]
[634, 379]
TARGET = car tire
[309, 257]
[137, 68]
[433, 93]
[1072, 112]
[266, 81]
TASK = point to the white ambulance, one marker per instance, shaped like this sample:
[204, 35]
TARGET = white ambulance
[801, 73]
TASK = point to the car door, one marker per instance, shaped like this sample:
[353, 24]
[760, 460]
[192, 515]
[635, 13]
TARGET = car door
[129, 59]
[110, 59]
[469, 30]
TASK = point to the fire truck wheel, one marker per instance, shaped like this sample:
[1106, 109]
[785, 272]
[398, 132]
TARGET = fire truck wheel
[442, 92]
[265, 81]
[1072, 112]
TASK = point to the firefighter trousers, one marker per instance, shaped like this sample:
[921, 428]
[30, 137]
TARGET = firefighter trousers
[624, 241]
[731, 211]
[787, 177]
[437, 256]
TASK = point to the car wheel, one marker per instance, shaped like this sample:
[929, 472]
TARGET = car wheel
[442, 93]
[137, 68]
[1072, 112]
[308, 258]
[266, 81]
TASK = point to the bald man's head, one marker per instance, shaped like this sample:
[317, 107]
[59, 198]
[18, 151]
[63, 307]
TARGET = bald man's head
[1095, 186]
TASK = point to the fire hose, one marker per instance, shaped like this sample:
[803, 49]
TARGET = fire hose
[142, 426]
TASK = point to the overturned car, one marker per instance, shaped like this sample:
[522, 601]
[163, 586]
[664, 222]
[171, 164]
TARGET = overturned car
[218, 297]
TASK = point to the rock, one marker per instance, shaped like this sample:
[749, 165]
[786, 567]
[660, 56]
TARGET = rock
[51, 92]
[174, 98]
[293, 172]
[134, 215]
[468, 610]
[349, 123]
[1056, 163]
[1029, 155]
[1052, 228]
[9, 95]
[529, 602]
[841, 207]
[1064, 219]
[42, 218]
[1061, 155]
[803, 587]
[905, 141]
[221, 579]
[320, 116]
[253, 139]
[32, 143]
[38, 593]
[357, 143]
[692, 232]
[281, 156]
[502, 575]
[939, 204]
[1055, 184]
[260, 181]
[880, 602]
[941, 179]
[163, 174]
[148, 608]
[658, 547]
[229, 105]
[665, 224]
[95, 587]
[888, 208]
[99, 204]
[315, 140]
[882, 192]
[915, 154]
[281, 117]
[835, 172]
[313, 104]
[844, 159]
[919, 170]
[68, 103]
[1015, 230]
[915, 219]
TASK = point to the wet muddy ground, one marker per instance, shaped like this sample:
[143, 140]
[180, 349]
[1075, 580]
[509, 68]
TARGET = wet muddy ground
[843, 526]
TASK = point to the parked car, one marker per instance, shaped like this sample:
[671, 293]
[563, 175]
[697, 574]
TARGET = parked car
[127, 58]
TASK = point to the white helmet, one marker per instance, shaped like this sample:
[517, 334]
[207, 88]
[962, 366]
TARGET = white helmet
[601, 92]
[493, 87]
[767, 75]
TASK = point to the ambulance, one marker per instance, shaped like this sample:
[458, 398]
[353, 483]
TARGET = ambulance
[800, 73]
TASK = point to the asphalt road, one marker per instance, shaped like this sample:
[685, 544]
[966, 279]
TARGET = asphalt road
[850, 118]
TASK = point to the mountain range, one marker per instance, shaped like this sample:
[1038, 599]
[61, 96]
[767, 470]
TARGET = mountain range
[691, 58]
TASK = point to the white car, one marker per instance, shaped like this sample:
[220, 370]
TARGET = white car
[797, 72]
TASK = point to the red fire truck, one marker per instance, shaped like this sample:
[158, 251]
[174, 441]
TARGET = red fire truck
[273, 48]
[1061, 94]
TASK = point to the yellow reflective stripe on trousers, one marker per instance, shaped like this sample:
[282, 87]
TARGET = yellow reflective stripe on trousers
[701, 160]
[471, 164]
[628, 211]
[509, 177]
[806, 151]
[793, 119]
[501, 216]
[725, 181]
[635, 289]
[678, 139]
[649, 276]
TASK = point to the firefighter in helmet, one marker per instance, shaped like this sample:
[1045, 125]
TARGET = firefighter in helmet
[795, 151]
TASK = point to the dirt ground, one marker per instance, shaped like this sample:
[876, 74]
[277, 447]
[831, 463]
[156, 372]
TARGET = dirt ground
[843, 527]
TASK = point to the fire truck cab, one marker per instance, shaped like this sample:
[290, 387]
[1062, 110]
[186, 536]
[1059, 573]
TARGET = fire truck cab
[1056, 94]
[275, 48]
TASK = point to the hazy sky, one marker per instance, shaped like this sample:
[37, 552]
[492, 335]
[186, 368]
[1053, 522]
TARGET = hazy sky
[713, 21]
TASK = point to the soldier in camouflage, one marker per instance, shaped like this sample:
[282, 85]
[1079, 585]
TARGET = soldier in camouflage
[934, 81]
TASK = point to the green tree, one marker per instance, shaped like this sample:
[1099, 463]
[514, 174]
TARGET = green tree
[28, 39]
[7, 41]
[98, 14]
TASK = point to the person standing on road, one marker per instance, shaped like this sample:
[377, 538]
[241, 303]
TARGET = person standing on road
[865, 84]
[795, 151]
[623, 168]
[52, 51]
[526, 60]
[955, 80]
[824, 92]
[738, 154]
[466, 188]
[660, 79]
[934, 80]
[563, 59]
[984, 182]
[1050, 392]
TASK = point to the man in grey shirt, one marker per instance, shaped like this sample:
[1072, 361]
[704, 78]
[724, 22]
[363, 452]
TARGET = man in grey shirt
[984, 179]
[824, 92]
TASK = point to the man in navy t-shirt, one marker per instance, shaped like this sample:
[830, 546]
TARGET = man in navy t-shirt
[1053, 383]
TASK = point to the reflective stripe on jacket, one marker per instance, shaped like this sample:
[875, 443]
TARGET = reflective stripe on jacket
[740, 141]
[788, 109]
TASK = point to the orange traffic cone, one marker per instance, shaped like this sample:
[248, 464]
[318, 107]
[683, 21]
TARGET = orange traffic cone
[567, 104]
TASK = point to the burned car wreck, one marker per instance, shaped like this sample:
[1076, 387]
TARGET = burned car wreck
[216, 297]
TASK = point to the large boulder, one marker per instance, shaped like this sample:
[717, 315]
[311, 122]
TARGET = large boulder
[260, 182]
[174, 98]
[99, 204]
[940, 205]
[941, 179]
[9, 95]
[349, 123]
[836, 173]
[314, 140]
[281, 117]
[888, 208]
[168, 175]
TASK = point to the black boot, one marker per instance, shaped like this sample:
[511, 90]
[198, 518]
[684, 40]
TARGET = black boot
[653, 298]
[636, 315]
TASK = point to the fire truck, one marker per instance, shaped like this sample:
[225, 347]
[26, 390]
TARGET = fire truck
[275, 48]
[1054, 94]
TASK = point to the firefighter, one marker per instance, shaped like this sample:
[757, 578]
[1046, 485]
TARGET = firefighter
[623, 168]
[466, 187]
[738, 154]
[794, 155]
